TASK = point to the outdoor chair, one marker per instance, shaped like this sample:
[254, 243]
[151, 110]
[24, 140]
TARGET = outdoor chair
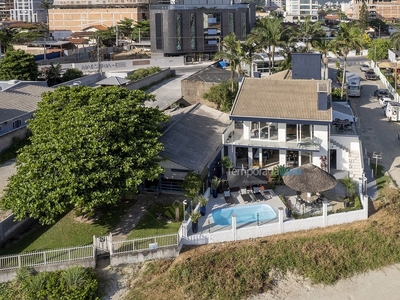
[299, 202]
[228, 198]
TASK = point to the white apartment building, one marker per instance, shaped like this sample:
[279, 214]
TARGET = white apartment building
[28, 11]
[274, 4]
[297, 10]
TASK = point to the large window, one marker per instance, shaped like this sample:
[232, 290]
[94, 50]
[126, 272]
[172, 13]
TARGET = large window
[17, 124]
[212, 29]
[264, 131]
[299, 132]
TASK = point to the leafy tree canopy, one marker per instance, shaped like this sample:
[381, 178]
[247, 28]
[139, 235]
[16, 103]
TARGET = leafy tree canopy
[142, 28]
[381, 46]
[89, 147]
[18, 65]
[72, 74]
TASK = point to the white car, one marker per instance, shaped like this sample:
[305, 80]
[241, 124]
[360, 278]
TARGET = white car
[384, 101]
[364, 68]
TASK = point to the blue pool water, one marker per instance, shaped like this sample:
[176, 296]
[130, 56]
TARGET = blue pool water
[244, 214]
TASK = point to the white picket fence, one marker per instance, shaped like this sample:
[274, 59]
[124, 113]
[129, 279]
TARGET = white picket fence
[37, 258]
[142, 244]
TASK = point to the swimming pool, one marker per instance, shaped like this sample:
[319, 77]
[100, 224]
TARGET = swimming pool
[244, 214]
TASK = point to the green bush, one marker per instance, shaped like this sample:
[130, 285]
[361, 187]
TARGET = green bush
[71, 284]
[143, 72]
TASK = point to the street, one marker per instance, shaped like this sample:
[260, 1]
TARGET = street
[376, 133]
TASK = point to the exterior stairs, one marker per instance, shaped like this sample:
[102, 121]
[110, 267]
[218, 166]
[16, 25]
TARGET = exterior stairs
[355, 165]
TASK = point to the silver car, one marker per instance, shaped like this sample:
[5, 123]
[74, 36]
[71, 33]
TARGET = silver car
[364, 68]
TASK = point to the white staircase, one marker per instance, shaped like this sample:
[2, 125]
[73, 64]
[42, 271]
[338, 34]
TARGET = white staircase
[355, 165]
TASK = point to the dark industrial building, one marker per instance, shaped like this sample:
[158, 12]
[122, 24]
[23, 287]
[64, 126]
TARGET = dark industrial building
[195, 28]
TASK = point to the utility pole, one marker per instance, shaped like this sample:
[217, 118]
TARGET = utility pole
[116, 36]
[98, 56]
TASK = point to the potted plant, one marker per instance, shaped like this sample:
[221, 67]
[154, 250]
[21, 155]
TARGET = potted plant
[346, 202]
[215, 182]
[202, 202]
[350, 188]
[195, 216]
[227, 163]
[191, 186]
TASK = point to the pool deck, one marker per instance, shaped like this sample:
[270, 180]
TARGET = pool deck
[207, 225]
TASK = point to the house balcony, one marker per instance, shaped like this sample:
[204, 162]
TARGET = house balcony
[236, 138]
[344, 130]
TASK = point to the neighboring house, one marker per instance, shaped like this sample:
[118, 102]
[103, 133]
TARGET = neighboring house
[284, 121]
[295, 12]
[187, 27]
[18, 101]
[192, 142]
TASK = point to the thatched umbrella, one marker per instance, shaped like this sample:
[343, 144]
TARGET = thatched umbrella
[309, 178]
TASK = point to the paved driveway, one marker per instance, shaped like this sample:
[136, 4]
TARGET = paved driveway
[377, 134]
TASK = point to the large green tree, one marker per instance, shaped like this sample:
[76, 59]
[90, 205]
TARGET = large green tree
[349, 37]
[89, 147]
[18, 65]
[323, 46]
[378, 49]
[141, 30]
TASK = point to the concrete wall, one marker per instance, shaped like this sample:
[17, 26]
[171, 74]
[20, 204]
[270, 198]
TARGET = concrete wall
[193, 91]
[282, 226]
[10, 228]
[7, 139]
[150, 79]
[124, 65]
[78, 18]
[138, 257]
[8, 275]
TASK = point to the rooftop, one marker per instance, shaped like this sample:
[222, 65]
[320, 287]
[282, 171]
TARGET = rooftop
[280, 99]
[193, 135]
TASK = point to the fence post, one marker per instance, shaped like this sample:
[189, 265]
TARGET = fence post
[234, 227]
[184, 229]
[44, 257]
[325, 213]
[280, 220]
[110, 244]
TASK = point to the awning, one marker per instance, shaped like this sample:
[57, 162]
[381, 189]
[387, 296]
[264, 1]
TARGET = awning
[386, 65]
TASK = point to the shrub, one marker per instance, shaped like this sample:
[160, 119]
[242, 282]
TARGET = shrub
[143, 72]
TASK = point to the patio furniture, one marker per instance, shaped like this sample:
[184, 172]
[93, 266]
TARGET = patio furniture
[259, 197]
[246, 198]
[243, 191]
[256, 190]
[267, 195]
[299, 202]
[228, 198]
[313, 142]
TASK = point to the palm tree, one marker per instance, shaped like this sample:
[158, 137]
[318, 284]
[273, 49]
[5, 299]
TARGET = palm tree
[349, 37]
[46, 5]
[53, 74]
[231, 51]
[309, 30]
[323, 46]
[248, 51]
[269, 33]
[395, 37]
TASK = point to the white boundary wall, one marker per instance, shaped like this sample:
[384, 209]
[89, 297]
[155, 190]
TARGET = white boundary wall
[280, 227]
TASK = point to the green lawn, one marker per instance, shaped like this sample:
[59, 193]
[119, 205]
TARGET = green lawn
[159, 220]
[70, 231]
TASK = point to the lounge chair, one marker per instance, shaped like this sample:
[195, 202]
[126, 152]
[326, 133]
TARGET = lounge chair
[228, 198]
[313, 142]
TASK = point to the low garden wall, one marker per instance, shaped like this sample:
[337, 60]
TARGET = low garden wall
[144, 255]
[149, 80]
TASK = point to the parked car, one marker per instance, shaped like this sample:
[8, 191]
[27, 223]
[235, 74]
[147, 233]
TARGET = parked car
[370, 75]
[383, 101]
[364, 68]
[381, 93]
